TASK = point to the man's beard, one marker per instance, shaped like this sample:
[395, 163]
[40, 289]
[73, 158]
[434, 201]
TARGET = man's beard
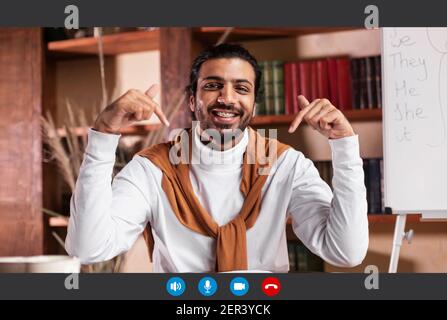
[228, 135]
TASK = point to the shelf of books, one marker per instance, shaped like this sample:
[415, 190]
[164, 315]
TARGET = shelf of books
[351, 84]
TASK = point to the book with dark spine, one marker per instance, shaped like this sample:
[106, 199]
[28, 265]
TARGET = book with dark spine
[278, 87]
[378, 80]
[260, 106]
[355, 83]
[288, 91]
[370, 83]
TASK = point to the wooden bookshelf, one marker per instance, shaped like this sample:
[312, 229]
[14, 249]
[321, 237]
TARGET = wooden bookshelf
[351, 115]
[146, 40]
[138, 41]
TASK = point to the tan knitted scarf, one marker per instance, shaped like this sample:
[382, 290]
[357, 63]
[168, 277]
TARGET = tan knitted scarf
[231, 251]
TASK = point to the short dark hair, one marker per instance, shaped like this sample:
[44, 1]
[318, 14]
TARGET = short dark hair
[224, 50]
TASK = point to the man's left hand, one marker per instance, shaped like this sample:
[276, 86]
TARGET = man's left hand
[321, 115]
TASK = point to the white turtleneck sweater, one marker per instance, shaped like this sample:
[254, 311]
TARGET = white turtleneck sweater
[107, 217]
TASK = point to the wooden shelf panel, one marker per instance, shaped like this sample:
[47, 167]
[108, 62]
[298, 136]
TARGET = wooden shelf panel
[391, 218]
[58, 222]
[387, 218]
[351, 115]
[212, 34]
[132, 130]
[113, 44]
[137, 41]
[372, 218]
[140, 129]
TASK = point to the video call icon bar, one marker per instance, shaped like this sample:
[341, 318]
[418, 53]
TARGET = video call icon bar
[208, 286]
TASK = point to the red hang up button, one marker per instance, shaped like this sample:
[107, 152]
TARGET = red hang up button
[271, 286]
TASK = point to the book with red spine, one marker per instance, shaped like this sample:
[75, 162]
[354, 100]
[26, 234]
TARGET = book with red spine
[313, 81]
[322, 79]
[304, 76]
[296, 87]
[344, 84]
[333, 81]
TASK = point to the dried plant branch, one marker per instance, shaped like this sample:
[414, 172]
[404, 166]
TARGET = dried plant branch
[58, 239]
[225, 35]
[98, 35]
[76, 153]
[52, 213]
[119, 261]
[84, 124]
[54, 143]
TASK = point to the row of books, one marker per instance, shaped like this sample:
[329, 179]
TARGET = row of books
[301, 259]
[348, 83]
[373, 169]
[366, 75]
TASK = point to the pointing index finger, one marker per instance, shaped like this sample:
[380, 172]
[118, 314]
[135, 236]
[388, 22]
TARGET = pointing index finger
[161, 115]
[151, 93]
[303, 103]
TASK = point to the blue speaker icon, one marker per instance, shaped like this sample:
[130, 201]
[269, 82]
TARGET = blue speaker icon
[175, 286]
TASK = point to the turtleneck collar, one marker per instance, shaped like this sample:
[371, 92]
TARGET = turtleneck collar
[208, 159]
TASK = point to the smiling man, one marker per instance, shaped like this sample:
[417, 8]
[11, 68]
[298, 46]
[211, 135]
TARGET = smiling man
[223, 212]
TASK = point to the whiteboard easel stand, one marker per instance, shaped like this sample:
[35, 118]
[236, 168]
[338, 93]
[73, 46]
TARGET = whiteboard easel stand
[399, 235]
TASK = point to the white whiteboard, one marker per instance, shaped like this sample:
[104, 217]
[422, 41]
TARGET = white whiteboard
[414, 75]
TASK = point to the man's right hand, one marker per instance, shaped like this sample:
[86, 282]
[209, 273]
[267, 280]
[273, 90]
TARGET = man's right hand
[131, 107]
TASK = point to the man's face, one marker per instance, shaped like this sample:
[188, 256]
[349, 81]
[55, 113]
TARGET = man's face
[225, 97]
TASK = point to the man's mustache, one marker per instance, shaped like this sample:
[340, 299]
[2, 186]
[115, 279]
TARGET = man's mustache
[225, 107]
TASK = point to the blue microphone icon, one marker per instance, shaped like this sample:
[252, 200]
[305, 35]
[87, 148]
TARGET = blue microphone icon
[207, 286]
